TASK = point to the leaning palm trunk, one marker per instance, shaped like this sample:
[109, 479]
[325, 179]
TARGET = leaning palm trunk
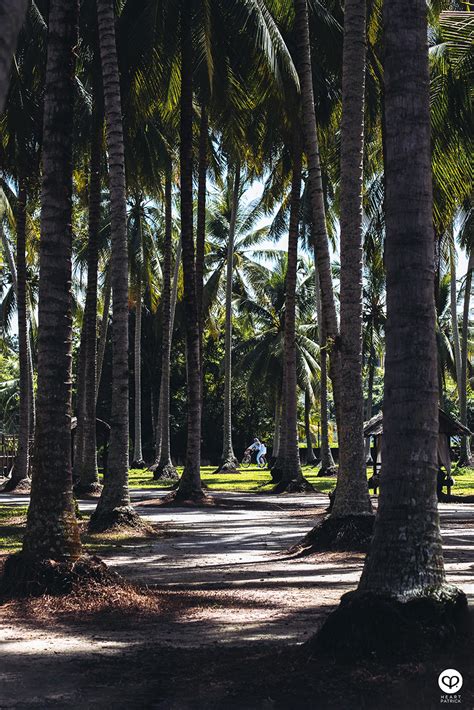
[352, 494]
[291, 476]
[164, 467]
[190, 482]
[51, 529]
[328, 467]
[161, 423]
[114, 504]
[466, 456]
[310, 457]
[137, 448]
[89, 474]
[12, 266]
[403, 602]
[19, 478]
[12, 14]
[229, 461]
[104, 326]
[316, 195]
[454, 312]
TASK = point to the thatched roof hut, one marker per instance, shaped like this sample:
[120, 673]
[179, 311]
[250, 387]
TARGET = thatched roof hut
[448, 425]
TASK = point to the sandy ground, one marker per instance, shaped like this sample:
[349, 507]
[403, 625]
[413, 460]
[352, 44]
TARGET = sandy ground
[228, 582]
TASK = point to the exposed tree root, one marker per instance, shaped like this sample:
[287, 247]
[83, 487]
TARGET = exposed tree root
[23, 486]
[87, 490]
[179, 498]
[138, 464]
[26, 576]
[117, 519]
[295, 485]
[349, 533]
[228, 466]
[366, 625]
[327, 471]
[164, 473]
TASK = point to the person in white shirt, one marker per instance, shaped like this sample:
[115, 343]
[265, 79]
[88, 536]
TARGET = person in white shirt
[260, 448]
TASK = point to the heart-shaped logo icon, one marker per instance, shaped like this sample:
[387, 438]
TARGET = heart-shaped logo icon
[450, 680]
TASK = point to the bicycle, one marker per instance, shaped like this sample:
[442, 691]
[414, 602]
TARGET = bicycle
[247, 460]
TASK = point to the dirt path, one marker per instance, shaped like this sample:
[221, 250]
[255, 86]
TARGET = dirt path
[227, 582]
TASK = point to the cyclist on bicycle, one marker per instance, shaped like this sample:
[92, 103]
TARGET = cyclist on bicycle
[260, 449]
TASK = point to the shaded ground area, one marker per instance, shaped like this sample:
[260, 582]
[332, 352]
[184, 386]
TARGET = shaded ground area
[229, 613]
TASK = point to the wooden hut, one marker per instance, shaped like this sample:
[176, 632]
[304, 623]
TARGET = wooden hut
[448, 427]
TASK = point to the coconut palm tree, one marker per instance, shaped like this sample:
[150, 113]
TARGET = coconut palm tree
[51, 529]
[352, 495]
[12, 14]
[114, 503]
[404, 569]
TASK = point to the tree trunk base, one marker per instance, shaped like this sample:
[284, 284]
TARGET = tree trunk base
[27, 576]
[118, 518]
[368, 625]
[23, 486]
[230, 465]
[351, 533]
[164, 472]
[87, 490]
[138, 464]
[179, 498]
[295, 485]
[326, 471]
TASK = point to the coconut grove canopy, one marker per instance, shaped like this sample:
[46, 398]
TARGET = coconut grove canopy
[448, 427]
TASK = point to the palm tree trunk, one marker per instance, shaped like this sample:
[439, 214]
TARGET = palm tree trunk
[104, 325]
[161, 423]
[12, 14]
[190, 482]
[310, 457]
[164, 467]
[466, 456]
[201, 217]
[328, 467]
[454, 311]
[51, 529]
[11, 265]
[292, 477]
[403, 578]
[352, 493]
[229, 462]
[137, 448]
[316, 194]
[114, 504]
[89, 474]
[276, 433]
[78, 438]
[19, 476]
[370, 384]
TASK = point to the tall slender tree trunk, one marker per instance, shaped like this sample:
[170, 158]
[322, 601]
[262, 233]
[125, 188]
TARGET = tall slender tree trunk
[89, 474]
[229, 462]
[316, 194]
[277, 424]
[19, 478]
[12, 266]
[114, 504]
[51, 529]
[292, 477]
[328, 467]
[137, 447]
[310, 457]
[279, 458]
[161, 423]
[201, 220]
[12, 14]
[370, 381]
[78, 439]
[164, 467]
[190, 482]
[466, 455]
[352, 493]
[403, 580]
[104, 325]
[454, 311]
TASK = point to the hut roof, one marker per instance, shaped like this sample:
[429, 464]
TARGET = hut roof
[447, 425]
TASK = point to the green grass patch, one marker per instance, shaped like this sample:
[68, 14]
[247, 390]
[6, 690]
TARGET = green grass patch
[12, 527]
